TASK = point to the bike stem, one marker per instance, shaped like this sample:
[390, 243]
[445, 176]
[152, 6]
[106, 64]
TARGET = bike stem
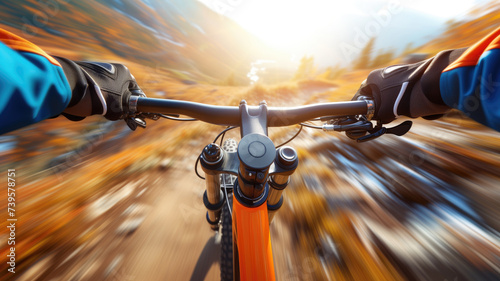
[263, 172]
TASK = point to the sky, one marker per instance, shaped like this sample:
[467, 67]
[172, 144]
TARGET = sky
[314, 26]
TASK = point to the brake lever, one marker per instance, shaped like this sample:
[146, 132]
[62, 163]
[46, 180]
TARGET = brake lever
[134, 122]
[398, 130]
[358, 126]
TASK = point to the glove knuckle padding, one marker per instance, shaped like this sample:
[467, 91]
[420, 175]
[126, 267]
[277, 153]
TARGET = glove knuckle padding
[116, 84]
[411, 90]
[113, 81]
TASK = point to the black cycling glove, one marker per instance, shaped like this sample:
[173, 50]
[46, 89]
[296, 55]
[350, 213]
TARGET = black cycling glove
[98, 88]
[408, 90]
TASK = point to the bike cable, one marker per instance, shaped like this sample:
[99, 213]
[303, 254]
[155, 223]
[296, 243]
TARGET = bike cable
[311, 126]
[227, 199]
[222, 137]
[223, 133]
[296, 134]
[196, 167]
[177, 119]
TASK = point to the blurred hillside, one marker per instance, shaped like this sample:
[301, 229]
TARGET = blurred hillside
[458, 33]
[183, 37]
[464, 32]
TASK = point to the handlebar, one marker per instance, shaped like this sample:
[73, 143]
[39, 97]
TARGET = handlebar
[231, 116]
[353, 117]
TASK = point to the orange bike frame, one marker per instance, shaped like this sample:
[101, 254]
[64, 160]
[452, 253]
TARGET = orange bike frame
[252, 254]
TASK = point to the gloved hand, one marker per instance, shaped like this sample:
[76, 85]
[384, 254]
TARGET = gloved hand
[408, 90]
[98, 88]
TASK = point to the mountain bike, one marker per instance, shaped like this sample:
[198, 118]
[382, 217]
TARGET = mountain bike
[245, 181]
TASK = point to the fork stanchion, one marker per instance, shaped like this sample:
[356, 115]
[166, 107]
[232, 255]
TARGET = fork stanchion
[277, 184]
[211, 158]
[287, 161]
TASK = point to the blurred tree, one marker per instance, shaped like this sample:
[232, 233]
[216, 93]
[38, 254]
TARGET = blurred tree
[306, 69]
[230, 80]
[382, 58]
[364, 58]
[332, 73]
[409, 49]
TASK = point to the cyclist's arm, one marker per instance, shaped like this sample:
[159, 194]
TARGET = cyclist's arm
[467, 79]
[472, 82]
[33, 86]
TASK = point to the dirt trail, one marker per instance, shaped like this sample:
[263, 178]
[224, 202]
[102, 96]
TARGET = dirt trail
[175, 242]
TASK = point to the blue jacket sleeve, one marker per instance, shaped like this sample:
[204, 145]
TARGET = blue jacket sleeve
[33, 86]
[472, 83]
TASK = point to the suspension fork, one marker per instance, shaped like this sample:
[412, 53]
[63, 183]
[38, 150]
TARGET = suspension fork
[284, 165]
[255, 192]
[211, 160]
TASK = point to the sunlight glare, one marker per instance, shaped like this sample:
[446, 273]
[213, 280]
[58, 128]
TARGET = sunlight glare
[279, 23]
[283, 24]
